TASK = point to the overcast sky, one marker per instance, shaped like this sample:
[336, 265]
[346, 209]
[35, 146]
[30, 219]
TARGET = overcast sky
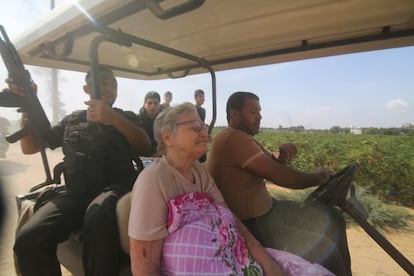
[372, 89]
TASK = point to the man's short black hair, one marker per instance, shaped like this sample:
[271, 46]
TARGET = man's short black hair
[104, 73]
[198, 92]
[152, 95]
[236, 101]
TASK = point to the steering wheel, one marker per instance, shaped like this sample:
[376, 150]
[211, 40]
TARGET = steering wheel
[335, 190]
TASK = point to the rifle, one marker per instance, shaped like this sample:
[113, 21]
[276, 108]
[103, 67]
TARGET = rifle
[38, 123]
[29, 103]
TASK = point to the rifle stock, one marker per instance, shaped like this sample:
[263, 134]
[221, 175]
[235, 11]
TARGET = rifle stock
[29, 102]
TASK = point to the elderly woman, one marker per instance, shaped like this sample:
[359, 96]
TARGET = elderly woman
[179, 223]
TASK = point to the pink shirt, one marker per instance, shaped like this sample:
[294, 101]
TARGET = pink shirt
[154, 187]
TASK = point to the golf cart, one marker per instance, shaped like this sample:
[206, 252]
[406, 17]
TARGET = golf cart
[153, 39]
[4, 131]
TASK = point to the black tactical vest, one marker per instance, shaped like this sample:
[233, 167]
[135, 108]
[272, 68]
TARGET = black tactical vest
[96, 156]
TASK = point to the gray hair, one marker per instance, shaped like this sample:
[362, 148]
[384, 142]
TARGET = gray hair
[167, 120]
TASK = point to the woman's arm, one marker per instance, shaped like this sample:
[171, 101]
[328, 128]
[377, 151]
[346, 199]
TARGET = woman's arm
[145, 256]
[257, 251]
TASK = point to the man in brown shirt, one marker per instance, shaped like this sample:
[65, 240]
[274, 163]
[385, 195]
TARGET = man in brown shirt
[240, 165]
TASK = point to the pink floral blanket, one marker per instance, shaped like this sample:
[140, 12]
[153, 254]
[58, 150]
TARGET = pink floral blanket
[203, 240]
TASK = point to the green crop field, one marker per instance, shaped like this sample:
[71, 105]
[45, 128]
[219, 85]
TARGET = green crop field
[385, 175]
[386, 162]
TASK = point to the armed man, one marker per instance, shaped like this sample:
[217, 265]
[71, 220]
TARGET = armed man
[100, 145]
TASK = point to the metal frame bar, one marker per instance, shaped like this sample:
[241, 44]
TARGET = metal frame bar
[304, 46]
[125, 39]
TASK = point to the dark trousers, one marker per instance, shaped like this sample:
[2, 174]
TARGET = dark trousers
[102, 252]
[36, 243]
[316, 233]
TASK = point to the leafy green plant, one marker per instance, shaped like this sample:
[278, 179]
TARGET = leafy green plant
[383, 215]
[386, 163]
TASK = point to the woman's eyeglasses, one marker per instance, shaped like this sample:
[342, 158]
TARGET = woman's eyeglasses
[197, 125]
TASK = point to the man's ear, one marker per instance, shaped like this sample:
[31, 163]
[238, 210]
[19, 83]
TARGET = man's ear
[234, 114]
[87, 89]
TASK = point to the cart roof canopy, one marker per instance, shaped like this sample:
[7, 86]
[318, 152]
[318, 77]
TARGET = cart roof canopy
[153, 39]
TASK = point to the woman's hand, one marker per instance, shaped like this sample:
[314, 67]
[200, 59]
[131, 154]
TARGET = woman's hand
[272, 268]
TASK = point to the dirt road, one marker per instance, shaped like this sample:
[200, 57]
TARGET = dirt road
[19, 173]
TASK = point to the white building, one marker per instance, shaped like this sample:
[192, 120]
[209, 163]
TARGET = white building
[355, 130]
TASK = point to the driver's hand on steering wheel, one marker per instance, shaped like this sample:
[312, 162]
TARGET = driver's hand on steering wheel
[324, 174]
[287, 152]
